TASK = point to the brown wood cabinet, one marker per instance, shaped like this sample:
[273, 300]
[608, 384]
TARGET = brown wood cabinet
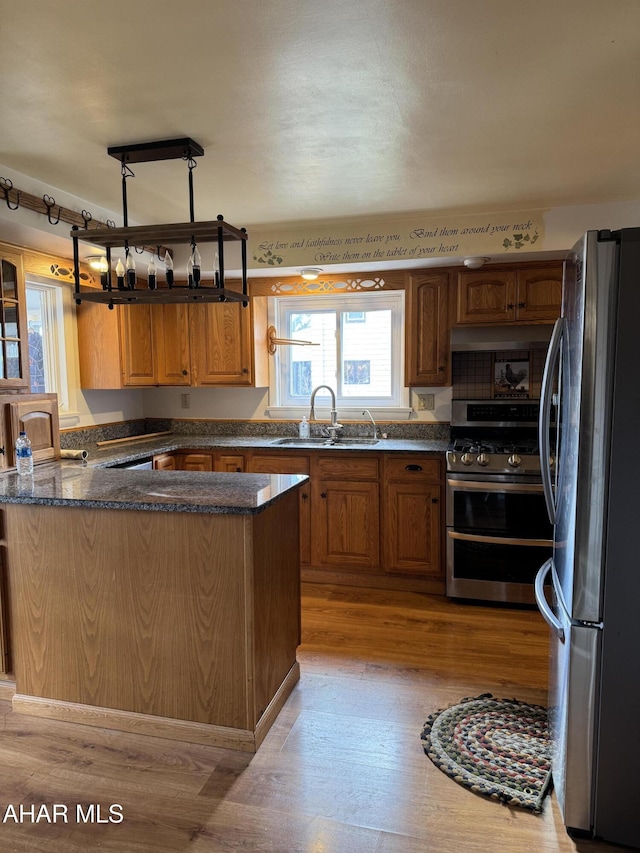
[183, 345]
[133, 345]
[194, 461]
[165, 462]
[367, 519]
[427, 359]
[233, 463]
[229, 344]
[289, 463]
[412, 517]
[37, 415]
[521, 295]
[345, 501]
[14, 346]
[5, 648]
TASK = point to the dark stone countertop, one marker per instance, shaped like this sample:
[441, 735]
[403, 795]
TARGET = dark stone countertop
[141, 449]
[62, 484]
[93, 484]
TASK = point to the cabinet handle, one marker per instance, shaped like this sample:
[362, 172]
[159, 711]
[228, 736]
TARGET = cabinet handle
[435, 500]
[413, 467]
[304, 496]
[510, 305]
[323, 494]
[441, 368]
[522, 304]
[2, 450]
[239, 469]
[184, 372]
[245, 369]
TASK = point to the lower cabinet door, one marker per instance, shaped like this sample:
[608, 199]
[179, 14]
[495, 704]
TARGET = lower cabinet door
[195, 461]
[412, 529]
[231, 463]
[346, 524]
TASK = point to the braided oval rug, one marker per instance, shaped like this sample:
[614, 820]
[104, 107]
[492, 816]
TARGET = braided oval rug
[496, 747]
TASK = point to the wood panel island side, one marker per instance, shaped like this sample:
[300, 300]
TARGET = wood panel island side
[159, 603]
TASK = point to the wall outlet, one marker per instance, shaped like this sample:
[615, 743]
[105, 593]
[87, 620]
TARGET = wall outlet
[426, 402]
[185, 401]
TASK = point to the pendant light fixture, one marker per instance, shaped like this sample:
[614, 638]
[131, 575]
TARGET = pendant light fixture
[160, 288]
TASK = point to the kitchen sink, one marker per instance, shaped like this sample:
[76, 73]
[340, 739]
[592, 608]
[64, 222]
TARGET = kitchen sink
[324, 442]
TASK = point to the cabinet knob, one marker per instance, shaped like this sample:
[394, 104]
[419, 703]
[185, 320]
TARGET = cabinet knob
[441, 368]
[2, 451]
[323, 494]
[245, 369]
[521, 304]
[184, 371]
[305, 496]
[435, 500]
[413, 467]
[510, 305]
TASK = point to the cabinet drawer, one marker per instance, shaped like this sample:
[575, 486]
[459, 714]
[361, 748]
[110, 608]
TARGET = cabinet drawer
[413, 468]
[195, 461]
[343, 467]
[280, 463]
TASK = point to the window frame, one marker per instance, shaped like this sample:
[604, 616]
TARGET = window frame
[56, 312]
[395, 406]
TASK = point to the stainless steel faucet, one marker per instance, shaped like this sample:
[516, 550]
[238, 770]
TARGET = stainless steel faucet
[335, 426]
[375, 427]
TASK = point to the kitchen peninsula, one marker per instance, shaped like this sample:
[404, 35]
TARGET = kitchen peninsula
[160, 603]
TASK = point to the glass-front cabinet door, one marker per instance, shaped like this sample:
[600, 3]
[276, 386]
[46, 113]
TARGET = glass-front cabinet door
[14, 341]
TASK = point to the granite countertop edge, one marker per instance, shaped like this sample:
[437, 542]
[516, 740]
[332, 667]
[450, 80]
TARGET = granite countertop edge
[141, 449]
[94, 484]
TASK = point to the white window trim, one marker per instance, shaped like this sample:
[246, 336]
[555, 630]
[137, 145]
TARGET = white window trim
[350, 411]
[58, 307]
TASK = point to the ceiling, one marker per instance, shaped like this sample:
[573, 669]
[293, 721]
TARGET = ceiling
[314, 110]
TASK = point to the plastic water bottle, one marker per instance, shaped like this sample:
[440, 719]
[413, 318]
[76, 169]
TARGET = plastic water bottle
[303, 428]
[24, 457]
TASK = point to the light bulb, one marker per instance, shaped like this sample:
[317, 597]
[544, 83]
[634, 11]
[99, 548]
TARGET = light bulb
[120, 274]
[196, 260]
[151, 275]
[190, 272]
[131, 271]
[168, 267]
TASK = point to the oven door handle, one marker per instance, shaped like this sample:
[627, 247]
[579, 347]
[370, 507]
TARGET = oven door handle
[546, 394]
[486, 486]
[499, 540]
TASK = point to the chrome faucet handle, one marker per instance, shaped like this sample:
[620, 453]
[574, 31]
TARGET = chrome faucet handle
[333, 430]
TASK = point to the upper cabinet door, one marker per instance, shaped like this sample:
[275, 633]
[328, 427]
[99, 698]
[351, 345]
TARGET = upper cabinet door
[539, 294]
[137, 362]
[427, 338]
[14, 341]
[171, 344]
[221, 344]
[486, 296]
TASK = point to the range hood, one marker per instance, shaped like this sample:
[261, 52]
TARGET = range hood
[497, 338]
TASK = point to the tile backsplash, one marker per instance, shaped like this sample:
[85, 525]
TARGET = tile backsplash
[472, 372]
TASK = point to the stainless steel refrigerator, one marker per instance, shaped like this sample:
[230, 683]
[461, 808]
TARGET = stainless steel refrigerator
[592, 386]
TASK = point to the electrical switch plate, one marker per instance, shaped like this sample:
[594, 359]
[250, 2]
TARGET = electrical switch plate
[185, 401]
[426, 402]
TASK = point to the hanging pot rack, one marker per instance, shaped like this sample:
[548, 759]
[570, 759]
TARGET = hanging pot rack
[126, 290]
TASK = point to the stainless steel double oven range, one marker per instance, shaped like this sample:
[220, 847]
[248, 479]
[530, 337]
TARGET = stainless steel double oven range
[498, 531]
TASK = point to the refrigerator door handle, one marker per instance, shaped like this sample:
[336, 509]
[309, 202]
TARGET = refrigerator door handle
[543, 605]
[546, 395]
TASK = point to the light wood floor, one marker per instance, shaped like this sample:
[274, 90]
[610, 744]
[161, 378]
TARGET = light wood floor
[341, 771]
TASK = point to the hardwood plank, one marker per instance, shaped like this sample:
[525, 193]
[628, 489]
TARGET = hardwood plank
[341, 770]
